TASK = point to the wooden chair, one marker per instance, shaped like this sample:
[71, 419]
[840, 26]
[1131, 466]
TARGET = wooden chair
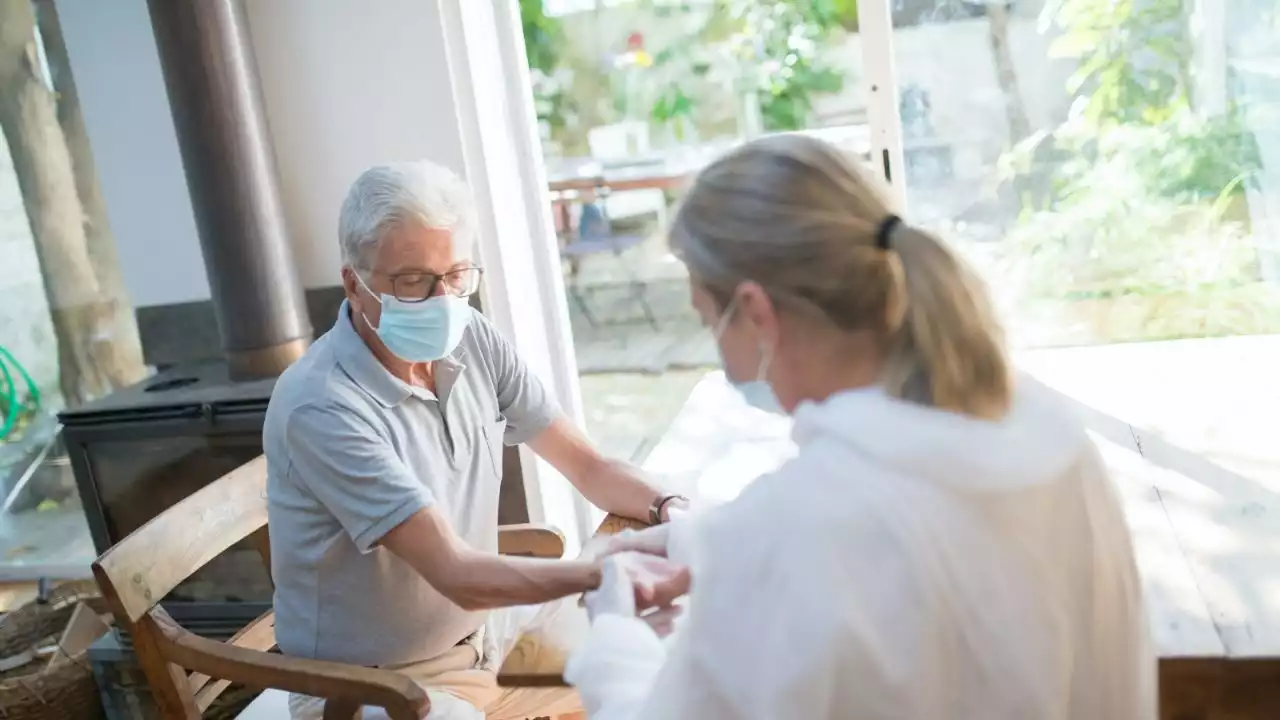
[144, 567]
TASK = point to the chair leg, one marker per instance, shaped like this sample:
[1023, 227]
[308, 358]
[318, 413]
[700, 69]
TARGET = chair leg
[581, 302]
[638, 290]
[641, 294]
[575, 293]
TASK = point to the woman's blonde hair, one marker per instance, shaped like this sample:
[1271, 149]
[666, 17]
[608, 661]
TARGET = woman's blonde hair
[797, 216]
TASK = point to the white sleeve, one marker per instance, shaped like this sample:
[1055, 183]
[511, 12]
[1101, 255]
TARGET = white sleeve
[737, 654]
[615, 668]
[682, 536]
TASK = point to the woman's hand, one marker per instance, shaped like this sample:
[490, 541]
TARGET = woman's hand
[635, 584]
[650, 541]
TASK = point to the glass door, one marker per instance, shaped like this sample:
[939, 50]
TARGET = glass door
[1114, 169]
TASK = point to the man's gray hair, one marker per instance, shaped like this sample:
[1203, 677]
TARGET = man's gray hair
[385, 195]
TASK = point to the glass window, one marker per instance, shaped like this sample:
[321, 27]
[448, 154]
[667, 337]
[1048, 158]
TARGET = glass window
[1114, 168]
[632, 99]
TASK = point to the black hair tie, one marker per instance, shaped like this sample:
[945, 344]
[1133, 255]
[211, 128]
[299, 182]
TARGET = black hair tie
[887, 226]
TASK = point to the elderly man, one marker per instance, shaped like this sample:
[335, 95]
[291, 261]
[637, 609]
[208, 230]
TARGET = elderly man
[384, 447]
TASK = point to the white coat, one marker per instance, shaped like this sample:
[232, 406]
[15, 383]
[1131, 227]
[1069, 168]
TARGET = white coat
[907, 564]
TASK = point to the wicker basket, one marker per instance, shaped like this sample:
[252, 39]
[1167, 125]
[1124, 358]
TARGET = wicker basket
[66, 691]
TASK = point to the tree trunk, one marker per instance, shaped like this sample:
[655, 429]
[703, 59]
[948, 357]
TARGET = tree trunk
[122, 349]
[1006, 74]
[45, 176]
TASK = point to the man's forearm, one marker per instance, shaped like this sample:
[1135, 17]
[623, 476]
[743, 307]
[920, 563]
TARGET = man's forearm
[477, 580]
[618, 488]
[610, 485]
[481, 581]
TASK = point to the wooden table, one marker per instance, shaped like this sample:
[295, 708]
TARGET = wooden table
[1207, 548]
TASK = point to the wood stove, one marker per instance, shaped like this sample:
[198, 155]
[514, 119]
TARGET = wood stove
[140, 450]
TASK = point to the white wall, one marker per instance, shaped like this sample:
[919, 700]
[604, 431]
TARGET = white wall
[347, 85]
[126, 109]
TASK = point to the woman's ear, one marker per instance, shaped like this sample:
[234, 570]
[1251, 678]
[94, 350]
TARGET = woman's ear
[755, 305]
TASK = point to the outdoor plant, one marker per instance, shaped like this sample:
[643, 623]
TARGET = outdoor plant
[543, 38]
[771, 47]
[1134, 57]
[1131, 207]
[781, 45]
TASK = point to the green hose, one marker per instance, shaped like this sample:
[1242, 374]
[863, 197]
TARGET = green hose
[14, 408]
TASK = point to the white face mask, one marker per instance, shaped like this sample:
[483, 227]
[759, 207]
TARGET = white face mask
[758, 393]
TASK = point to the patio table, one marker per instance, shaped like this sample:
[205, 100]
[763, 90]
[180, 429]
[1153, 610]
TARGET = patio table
[672, 170]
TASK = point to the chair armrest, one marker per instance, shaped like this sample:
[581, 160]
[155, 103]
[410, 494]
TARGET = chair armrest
[533, 540]
[343, 686]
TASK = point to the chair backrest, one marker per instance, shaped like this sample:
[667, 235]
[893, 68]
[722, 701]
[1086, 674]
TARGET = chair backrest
[140, 570]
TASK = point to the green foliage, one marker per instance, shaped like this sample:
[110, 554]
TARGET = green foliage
[1189, 157]
[846, 11]
[775, 45]
[1133, 106]
[1186, 158]
[1117, 266]
[543, 39]
[781, 43]
[671, 104]
[1142, 226]
[543, 36]
[1133, 57]
[1132, 208]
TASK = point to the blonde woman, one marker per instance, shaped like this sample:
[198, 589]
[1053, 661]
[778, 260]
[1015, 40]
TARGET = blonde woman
[946, 544]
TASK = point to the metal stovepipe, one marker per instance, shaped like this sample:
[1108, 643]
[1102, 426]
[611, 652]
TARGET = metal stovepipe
[216, 100]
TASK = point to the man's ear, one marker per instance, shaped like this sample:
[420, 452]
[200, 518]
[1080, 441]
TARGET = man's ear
[349, 283]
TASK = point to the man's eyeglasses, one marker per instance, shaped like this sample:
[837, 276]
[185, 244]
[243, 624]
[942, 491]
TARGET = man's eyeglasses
[417, 287]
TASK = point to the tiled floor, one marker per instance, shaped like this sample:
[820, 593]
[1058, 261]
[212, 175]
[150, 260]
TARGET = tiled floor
[635, 375]
[626, 413]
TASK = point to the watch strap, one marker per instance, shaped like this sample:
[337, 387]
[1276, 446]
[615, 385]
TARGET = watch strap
[655, 509]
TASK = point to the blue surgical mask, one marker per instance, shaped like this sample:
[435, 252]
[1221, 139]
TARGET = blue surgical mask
[758, 393]
[420, 331]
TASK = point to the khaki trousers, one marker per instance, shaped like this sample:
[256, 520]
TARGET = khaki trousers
[461, 687]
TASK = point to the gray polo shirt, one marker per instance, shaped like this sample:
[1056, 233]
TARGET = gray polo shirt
[352, 452]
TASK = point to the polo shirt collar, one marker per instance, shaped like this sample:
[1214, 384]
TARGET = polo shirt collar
[359, 362]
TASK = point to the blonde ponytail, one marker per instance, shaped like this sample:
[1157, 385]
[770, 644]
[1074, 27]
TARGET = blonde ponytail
[949, 350]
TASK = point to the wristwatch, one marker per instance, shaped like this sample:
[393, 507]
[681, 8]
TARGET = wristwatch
[655, 509]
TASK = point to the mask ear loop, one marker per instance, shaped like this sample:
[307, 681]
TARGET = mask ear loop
[372, 294]
[766, 361]
[766, 351]
[722, 323]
